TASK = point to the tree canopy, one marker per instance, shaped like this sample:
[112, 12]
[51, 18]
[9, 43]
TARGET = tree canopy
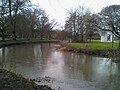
[22, 19]
[110, 19]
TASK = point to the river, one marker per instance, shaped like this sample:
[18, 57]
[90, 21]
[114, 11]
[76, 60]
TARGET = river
[68, 70]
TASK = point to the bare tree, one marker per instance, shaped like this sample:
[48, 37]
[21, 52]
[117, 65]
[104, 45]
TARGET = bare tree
[49, 28]
[110, 20]
[3, 16]
[76, 23]
[14, 7]
[90, 26]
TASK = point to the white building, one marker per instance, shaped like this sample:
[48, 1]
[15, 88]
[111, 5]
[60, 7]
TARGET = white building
[106, 36]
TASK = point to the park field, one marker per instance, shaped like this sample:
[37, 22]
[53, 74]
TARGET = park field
[96, 44]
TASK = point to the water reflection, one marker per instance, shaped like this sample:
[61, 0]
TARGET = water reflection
[72, 71]
[2, 56]
[54, 65]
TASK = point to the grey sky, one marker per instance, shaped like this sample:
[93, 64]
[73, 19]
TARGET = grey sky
[57, 9]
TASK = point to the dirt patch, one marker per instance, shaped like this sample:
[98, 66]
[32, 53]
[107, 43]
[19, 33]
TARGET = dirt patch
[11, 81]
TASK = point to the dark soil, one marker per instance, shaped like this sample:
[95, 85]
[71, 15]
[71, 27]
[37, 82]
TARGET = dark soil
[11, 81]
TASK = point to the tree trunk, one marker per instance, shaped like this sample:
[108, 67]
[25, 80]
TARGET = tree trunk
[90, 39]
[41, 36]
[14, 25]
[14, 35]
[49, 36]
[3, 36]
[10, 8]
[3, 32]
[119, 45]
[112, 41]
[14, 29]
[82, 37]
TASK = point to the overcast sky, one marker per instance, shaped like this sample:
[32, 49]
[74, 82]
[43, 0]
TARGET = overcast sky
[57, 9]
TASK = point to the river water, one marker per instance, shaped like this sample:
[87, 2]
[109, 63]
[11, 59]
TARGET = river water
[68, 71]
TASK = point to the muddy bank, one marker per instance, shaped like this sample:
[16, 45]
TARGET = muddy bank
[97, 52]
[11, 81]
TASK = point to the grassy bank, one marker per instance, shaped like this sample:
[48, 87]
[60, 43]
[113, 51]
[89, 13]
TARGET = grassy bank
[98, 48]
[11, 81]
[96, 45]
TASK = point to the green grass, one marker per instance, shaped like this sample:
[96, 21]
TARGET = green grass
[95, 44]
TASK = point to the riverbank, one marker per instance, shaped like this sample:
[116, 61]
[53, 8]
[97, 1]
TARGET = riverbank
[108, 52]
[11, 81]
[18, 42]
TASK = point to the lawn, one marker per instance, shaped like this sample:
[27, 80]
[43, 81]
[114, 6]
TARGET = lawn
[95, 44]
